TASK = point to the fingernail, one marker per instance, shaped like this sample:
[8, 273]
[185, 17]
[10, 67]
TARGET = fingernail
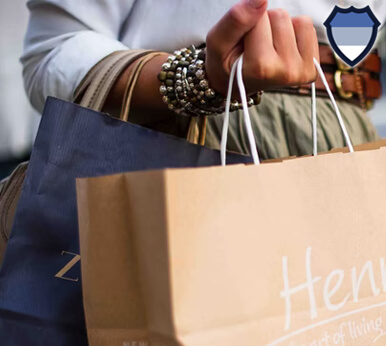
[256, 3]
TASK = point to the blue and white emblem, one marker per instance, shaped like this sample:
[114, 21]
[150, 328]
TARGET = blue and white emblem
[352, 32]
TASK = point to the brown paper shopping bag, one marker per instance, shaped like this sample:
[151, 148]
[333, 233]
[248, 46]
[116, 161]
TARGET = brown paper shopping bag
[287, 253]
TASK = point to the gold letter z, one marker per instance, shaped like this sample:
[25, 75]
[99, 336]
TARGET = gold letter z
[68, 266]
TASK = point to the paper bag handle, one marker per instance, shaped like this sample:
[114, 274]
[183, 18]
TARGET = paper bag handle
[132, 81]
[336, 108]
[238, 64]
[98, 83]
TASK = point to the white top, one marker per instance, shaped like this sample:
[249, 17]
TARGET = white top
[18, 123]
[66, 38]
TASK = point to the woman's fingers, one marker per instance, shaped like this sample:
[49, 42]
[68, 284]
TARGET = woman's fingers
[307, 43]
[283, 34]
[286, 57]
[278, 50]
[305, 36]
[258, 43]
[260, 57]
[230, 30]
[225, 40]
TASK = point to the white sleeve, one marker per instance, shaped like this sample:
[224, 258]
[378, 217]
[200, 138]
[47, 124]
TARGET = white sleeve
[64, 40]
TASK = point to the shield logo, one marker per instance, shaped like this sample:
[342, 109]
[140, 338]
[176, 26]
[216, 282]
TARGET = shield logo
[352, 32]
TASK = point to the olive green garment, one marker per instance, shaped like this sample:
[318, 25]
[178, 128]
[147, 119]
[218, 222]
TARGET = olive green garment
[282, 126]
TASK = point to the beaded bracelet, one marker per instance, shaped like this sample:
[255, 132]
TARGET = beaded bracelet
[186, 90]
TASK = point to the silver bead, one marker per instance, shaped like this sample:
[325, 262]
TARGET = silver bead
[171, 58]
[170, 89]
[178, 75]
[195, 91]
[191, 85]
[166, 66]
[200, 64]
[191, 67]
[200, 74]
[201, 93]
[165, 99]
[175, 63]
[179, 89]
[251, 102]
[190, 79]
[210, 93]
[163, 90]
[179, 70]
[177, 52]
[204, 84]
[178, 82]
[235, 105]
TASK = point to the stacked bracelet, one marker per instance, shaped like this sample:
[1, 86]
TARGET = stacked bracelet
[185, 88]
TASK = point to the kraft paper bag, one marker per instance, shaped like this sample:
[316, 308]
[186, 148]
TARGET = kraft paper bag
[289, 253]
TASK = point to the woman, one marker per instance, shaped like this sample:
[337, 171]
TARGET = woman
[65, 39]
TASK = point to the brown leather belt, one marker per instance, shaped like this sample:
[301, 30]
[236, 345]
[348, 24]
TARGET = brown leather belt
[360, 85]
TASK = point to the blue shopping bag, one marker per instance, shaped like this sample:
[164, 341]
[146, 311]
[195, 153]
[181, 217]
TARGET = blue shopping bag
[40, 280]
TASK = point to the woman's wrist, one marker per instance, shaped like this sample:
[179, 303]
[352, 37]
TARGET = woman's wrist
[197, 99]
[146, 94]
[186, 88]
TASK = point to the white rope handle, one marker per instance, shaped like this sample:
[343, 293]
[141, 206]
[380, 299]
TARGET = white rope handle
[314, 121]
[225, 126]
[336, 108]
[238, 64]
[247, 118]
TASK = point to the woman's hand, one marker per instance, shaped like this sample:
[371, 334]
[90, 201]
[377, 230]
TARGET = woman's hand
[278, 50]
